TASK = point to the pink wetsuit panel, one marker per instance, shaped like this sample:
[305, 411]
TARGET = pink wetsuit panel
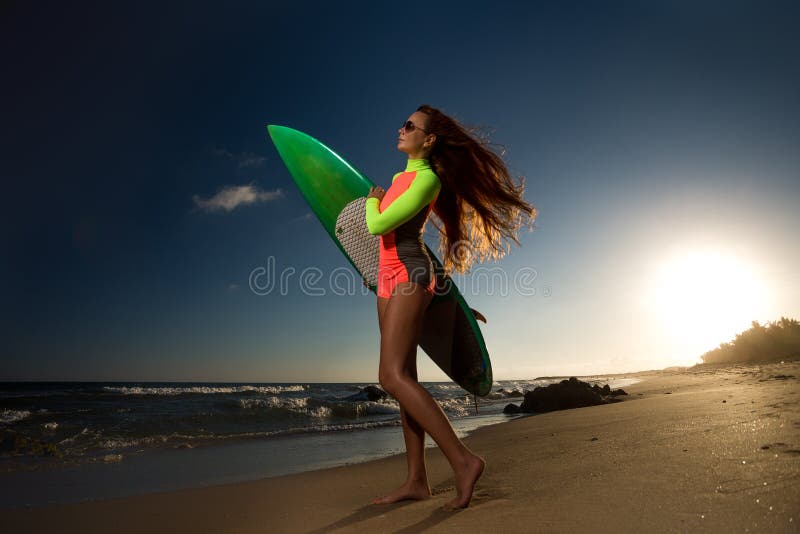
[403, 256]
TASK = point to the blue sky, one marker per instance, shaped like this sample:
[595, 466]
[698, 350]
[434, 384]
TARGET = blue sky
[659, 143]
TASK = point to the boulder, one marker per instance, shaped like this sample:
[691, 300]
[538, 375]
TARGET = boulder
[369, 393]
[566, 394]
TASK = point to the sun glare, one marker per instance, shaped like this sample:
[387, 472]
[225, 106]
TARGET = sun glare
[703, 298]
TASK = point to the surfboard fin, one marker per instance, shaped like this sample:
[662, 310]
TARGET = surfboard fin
[478, 315]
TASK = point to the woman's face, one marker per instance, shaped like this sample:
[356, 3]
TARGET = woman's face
[416, 143]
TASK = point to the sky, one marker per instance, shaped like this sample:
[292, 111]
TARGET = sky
[659, 142]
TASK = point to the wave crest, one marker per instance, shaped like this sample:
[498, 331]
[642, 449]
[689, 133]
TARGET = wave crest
[12, 416]
[203, 390]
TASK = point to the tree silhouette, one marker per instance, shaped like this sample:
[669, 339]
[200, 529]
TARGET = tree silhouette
[779, 340]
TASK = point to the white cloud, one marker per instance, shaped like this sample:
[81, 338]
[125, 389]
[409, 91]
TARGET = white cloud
[232, 196]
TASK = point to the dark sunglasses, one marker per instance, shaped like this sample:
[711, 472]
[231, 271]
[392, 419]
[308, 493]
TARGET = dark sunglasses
[410, 127]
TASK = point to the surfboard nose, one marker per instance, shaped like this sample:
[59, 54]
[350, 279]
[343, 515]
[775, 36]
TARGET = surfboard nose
[276, 130]
[288, 140]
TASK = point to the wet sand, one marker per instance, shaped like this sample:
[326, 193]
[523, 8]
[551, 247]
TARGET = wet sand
[704, 449]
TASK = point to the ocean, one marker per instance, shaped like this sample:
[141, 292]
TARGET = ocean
[77, 441]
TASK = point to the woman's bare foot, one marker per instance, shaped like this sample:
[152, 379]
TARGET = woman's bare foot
[409, 491]
[466, 477]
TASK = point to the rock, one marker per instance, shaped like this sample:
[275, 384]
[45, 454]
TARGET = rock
[511, 409]
[567, 394]
[369, 393]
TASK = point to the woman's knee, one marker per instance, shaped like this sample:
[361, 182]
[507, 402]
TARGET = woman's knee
[392, 380]
[387, 380]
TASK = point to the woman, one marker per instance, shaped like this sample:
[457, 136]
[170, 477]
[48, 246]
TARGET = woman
[468, 187]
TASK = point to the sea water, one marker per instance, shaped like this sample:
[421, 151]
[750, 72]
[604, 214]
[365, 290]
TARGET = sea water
[104, 439]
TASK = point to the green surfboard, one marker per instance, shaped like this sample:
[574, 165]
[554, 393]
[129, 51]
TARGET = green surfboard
[336, 191]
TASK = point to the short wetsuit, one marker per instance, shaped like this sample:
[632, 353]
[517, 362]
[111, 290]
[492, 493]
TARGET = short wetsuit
[399, 219]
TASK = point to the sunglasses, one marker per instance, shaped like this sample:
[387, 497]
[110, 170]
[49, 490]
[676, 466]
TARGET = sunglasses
[410, 127]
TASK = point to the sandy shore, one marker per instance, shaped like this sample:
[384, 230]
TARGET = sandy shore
[714, 450]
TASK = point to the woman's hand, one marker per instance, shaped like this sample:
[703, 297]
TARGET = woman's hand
[376, 192]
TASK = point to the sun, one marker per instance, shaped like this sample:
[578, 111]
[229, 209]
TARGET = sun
[705, 297]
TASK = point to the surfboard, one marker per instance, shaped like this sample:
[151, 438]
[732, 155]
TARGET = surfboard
[336, 192]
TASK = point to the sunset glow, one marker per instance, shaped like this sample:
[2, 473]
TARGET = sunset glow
[703, 297]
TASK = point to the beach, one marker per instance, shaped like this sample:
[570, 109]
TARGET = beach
[713, 449]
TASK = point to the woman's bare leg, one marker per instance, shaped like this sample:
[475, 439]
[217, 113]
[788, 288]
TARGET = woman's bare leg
[416, 484]
[401, 329]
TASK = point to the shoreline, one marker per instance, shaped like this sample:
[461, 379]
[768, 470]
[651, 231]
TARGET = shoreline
[210, 465]
[710, 449]
[170, 467]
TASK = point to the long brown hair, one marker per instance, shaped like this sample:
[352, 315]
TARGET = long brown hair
[479, 204]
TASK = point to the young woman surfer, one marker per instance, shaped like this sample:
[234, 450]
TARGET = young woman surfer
[453, 174]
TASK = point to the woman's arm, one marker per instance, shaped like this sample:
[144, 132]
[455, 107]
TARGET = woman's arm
[420, 193]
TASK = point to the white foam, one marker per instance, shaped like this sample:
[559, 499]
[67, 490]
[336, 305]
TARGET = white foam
[159, 439]
[298, 404]
[380, 408]
[457, 407]
[83, 432]
[443, 387]
[12, 416]
[320, 411]
[616, 383]
[206, 390]
[354, 426]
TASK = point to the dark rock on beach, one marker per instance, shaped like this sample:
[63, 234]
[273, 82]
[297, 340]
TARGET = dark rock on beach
[567, 394]
[369, 393]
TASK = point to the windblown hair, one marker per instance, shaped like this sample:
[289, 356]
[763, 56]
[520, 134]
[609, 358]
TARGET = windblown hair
[479, 204]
